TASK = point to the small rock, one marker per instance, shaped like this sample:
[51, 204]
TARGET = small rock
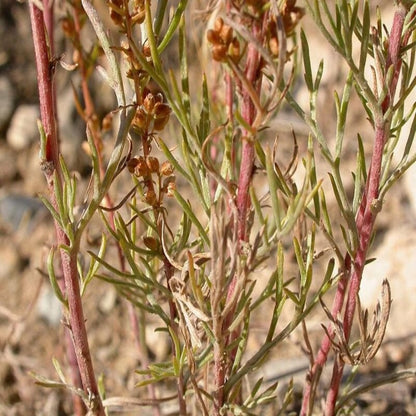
[8, 165]
[7, 98]
[108, 300]
[157, 342]
[19, 210]
[49, 307]
[397, 263]
[23, 130]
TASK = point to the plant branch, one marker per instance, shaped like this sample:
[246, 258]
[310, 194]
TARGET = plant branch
[51, 168]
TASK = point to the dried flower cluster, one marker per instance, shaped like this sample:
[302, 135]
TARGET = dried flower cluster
[223, 42]
[119, 12]
[226, 44]
[152, 115]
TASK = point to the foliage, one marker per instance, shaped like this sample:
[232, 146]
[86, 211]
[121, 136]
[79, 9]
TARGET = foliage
[188, 129]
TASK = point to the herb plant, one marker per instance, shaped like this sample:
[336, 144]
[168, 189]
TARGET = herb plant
[195, 139]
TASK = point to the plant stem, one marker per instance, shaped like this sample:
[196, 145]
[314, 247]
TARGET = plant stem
[248, 112]
[365, 226]
[367, 214]
[51, 168]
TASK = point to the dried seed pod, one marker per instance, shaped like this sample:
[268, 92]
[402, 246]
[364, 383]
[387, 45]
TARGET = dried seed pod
[213, 36]
[116, 17]
[226, 34]
[151, 243]
[160, 123]
[141, 168]
[219, 52]
[166, 168]
[234, 50]
[152, 164]
[139, 13]
[140, 119]
[171, 187]
[149, 103]
[291, 15]
[146, 50]
[161, 115]
[167, 181]
[161, 110]
[131, 164]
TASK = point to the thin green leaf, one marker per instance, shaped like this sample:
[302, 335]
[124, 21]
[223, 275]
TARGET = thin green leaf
[94, 265]
[204, 127]
[174, 23]
[306, 61]
[364, 41]
[52, 278]
[187, 208]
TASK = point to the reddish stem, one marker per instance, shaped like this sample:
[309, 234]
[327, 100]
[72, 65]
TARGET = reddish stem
[248, 112]
[365, 225]
[50, 165]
